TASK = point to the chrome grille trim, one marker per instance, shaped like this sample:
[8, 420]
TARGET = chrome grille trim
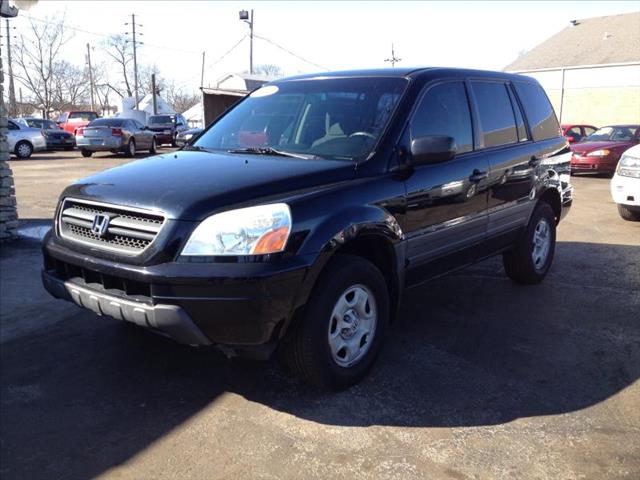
[130, 231]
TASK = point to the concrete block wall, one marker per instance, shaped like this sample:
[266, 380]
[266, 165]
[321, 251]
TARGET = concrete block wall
[8, 210]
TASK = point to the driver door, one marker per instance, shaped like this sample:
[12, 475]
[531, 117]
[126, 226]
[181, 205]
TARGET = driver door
[446, 211]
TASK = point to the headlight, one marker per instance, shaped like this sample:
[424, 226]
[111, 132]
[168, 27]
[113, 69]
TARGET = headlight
[246, 231]
[629, 166]
[188, 136]
[598, 153]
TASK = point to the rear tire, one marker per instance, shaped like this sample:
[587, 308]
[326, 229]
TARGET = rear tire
[627, 214]
[86, 153]
[530, 258]
[23, 150]
[153, 148]
[131, 148]
[339, 337]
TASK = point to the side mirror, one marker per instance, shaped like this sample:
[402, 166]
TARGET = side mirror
[571, 139]
[432, 149]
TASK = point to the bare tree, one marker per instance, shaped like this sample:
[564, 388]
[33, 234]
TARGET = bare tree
[269, 70]
[178, 98]
[120, 51]
[37, 55]
[70, 86]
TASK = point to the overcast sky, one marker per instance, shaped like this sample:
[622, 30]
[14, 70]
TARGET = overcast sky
[330, 35]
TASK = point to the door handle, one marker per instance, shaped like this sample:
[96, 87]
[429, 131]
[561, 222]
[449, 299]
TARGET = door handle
[477, 175]
[534, 161]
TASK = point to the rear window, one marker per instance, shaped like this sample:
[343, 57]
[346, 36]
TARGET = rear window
[496, 113]
[161, 119]
[542, 119]
[82, 116]
[108, 122]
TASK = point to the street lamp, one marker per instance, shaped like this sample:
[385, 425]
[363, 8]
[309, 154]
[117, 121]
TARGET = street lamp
[248, 19]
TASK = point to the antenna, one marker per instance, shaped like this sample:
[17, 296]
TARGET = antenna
[393, 60]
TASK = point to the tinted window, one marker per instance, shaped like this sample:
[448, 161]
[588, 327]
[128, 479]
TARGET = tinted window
[108, 122]
[517, 109]
[496, 113]
[13, 126]
[542, 119]
[161, 119]
[444, 110]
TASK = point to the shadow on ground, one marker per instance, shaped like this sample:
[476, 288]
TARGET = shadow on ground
[84, 394]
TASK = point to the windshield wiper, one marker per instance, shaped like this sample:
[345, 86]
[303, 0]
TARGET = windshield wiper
[195, 148]
[272, 151]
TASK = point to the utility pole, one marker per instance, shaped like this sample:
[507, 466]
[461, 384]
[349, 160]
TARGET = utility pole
[153, 90]
[248, 19]
[135, 57]
[202, 73]
[393, 60]
[93, 104]
[12, 93]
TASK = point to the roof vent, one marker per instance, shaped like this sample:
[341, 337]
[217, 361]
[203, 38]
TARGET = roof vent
[574, 22]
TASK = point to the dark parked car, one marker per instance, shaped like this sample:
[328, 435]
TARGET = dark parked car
[187, 136]
[55, 136]
[167, 127]
[577, 133]
[115, 135]
[369, 182]
[600, 151]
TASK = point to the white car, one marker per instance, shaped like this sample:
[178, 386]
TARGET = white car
[625, 184]
[23, 141]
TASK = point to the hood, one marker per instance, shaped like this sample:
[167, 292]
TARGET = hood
[586, 147]
[190, 185]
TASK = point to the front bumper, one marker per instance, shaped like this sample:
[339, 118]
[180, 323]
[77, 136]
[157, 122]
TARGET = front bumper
[60, 143]
[235, 304]
[606, 164]
[625, 190]
[162, 137]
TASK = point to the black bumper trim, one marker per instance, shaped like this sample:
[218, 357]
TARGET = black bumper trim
[169, 320]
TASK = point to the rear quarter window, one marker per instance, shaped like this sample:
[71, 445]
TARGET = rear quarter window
[542, 119]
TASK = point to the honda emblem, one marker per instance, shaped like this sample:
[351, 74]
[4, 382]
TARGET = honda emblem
[100, 224]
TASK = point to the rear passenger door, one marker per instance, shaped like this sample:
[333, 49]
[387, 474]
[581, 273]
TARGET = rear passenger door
[505, 141]
[446, 204]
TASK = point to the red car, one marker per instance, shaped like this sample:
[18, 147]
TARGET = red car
[600, 151]
[576, 133]
[72, 121]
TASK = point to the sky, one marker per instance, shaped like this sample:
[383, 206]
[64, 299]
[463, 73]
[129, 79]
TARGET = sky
[315, 36]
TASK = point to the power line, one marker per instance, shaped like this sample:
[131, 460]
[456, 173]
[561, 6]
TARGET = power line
[289, 52]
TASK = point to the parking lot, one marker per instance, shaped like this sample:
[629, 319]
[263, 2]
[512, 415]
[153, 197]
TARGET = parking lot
[478, 379]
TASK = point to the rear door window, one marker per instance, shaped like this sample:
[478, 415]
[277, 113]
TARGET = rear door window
[588, 131]
[575, 133]
[496, 113]
[444, 110]
[540, 115]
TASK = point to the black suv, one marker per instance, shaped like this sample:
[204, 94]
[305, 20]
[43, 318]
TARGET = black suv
[304, 234]
[167, 127]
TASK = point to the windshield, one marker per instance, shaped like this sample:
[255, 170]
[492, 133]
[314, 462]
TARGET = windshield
[107, 122]
[339, 118]
[82, 116]
[160, 119]
[612, 134]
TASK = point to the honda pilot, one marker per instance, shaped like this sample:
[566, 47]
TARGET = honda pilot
[300, 239]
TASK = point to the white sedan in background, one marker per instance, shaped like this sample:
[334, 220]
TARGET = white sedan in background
[625, 184]
[24, 140]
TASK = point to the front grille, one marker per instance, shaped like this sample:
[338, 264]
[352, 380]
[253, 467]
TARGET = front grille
[128, 230]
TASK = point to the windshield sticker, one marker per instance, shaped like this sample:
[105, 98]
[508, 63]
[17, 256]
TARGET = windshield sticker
[265, 91]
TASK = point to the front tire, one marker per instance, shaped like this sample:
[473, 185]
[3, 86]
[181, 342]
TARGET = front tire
[23, 150]
[338, 339]
[627, 214]
[153, 148]
[530, 258]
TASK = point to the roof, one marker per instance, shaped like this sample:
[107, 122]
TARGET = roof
[242, 81]
[224, 91]
[592, 41]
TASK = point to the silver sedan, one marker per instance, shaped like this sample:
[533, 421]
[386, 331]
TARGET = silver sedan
[23, 140]
[115, 135]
